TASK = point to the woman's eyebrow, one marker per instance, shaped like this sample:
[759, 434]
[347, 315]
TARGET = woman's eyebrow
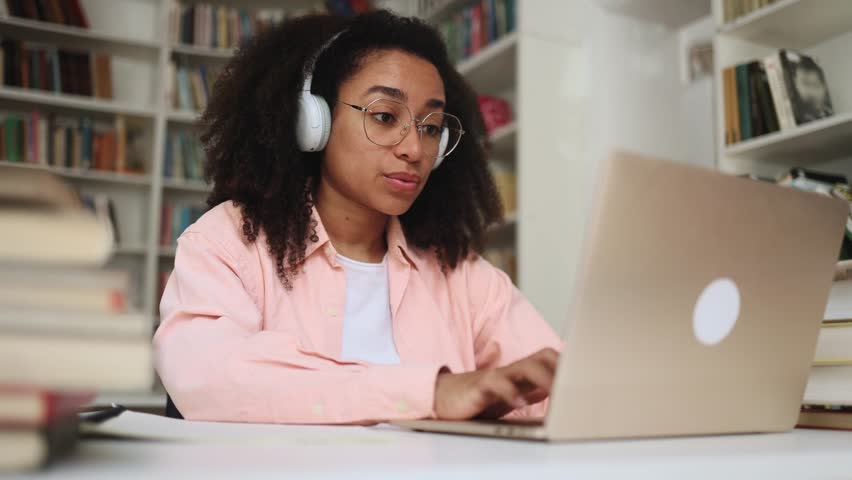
[401, 96]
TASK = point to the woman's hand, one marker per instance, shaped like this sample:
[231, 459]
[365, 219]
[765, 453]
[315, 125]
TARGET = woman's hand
[495, 392]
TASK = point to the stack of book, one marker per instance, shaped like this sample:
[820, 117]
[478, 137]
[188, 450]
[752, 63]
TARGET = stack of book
[780, 92]
[66, 332]
[828, 397]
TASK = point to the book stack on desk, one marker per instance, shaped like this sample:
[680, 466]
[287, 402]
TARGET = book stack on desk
[828, 396]
[65, 329]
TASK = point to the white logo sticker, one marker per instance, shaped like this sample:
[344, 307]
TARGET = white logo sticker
[716, 311]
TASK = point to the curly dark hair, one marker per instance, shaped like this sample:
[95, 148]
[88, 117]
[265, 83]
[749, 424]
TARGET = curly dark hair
[248, 131]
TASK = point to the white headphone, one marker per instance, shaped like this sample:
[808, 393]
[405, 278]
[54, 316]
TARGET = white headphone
[313, 126]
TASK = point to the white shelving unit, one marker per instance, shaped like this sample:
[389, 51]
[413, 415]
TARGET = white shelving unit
[492, 69]
[796, 24]
[819, 28]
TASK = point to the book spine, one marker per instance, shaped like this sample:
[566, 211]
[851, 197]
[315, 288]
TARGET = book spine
[743, 102]
[783, 109]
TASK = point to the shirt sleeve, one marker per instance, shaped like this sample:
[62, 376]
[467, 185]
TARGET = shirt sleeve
[218, 364]
[506, 326]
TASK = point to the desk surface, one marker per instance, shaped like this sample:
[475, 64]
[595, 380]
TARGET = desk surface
[800, 454]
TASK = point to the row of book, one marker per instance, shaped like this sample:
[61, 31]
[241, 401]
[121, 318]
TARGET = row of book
[221, 26]
[780, 92]
[66, 329]
[184, 159]
[476, 26]
[63, 12]
[175, 218]
[57, 70]
[218, 26]
[80, 143]
[734, 9]
[189, 88]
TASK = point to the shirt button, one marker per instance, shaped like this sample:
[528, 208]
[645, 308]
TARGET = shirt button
[332, 311]
[317, 409]
[401, 407]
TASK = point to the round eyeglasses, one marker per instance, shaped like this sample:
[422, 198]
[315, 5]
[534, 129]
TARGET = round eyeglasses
[387, 122]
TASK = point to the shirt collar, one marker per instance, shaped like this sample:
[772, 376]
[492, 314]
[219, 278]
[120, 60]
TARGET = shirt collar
[397, 245]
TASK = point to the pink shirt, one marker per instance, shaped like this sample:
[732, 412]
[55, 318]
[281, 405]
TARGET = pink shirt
[235, 345]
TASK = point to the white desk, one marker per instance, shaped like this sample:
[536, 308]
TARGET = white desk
[401, 454]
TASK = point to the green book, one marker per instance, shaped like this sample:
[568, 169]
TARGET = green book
[743, 101]
[13, 138]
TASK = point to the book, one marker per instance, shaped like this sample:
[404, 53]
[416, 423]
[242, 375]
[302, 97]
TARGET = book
[839, 306]
[829, 385]
[827, 418]
[806, 87]
[63, 363]
[74, 323]
[834, 344]
[28, 449]
[743, 101]
[44, 221]
[777, 85]
[20, 407]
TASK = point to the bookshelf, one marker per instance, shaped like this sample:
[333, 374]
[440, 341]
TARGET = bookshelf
[796, 24]
[818, 28]
[491, 69]
[811, 143]
[135, 34]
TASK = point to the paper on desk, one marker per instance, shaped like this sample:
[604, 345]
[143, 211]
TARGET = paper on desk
[144, 426]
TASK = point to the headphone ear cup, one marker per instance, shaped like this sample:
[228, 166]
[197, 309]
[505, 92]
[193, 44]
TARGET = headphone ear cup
[442, 147]
[313, 125]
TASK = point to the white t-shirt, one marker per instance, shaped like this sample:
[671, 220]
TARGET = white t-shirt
[367, 328]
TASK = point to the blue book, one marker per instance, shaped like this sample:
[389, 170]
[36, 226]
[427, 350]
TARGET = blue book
[167, 163]
[87, 140]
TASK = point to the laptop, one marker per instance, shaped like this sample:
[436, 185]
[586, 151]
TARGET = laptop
[696, 311]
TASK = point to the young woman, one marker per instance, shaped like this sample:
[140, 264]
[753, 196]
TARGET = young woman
[342, 285]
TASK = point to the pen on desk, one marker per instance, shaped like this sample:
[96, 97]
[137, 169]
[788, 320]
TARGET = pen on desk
[103, 415]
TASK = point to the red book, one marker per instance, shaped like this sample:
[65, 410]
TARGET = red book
[475, 29]
[79, 14]
[21, 407]
[44, 79]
